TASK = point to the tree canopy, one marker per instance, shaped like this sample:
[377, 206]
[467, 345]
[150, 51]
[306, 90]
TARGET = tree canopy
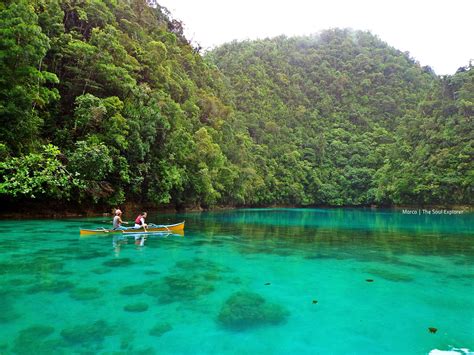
[107, 101]
[341, 118]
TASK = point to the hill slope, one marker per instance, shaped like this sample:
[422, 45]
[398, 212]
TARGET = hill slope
[106, 101]
[330, 115]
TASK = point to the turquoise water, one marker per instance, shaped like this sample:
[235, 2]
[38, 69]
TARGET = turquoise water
[260, 281]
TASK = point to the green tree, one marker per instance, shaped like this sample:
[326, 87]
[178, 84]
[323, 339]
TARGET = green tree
[37, 175]
[23, 82]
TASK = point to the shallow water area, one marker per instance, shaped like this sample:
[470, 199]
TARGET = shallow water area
[266, 281]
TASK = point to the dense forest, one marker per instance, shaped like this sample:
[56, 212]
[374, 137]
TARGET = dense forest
[106, 101]
[341, 118]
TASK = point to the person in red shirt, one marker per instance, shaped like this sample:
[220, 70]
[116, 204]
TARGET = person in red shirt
[140, 221]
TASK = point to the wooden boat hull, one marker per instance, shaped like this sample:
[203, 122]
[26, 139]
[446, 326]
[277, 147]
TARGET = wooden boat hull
[170, 228]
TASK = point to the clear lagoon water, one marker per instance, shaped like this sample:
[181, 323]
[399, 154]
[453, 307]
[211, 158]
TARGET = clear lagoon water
[250, 281]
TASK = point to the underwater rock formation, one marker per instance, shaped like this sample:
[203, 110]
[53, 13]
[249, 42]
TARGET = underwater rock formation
[201, 264]
[87, 333]
[131, 290]
[33, 340]
[136, 307]
[20, 282]
[118, 262]
[151, 272]
[54, 286]
[244, 310]
[35, 332]
[180, 287]
[85, 293]
[37, 266]
[7, 310]
[101, 270]
[90, 254]
[390, 275]
[160, 328]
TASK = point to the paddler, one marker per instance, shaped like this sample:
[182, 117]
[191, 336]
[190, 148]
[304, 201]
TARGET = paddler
[117, 222]
[140, 221]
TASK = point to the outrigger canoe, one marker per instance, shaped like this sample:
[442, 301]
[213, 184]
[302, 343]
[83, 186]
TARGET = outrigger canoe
[152, 228]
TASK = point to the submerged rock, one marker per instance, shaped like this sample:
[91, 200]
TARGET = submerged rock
[133, 289]
[7, 310]
[136, 307]
[210, 276]
[33, 340]
[87, 333]
[390, 275]
[244, 310]
[234, 280]
[35, 333]
[20, 282]
[118, 262]
[160, 328]
[154, 288]
[91, 254]
[151, 272]
[39, 265]
[190, 280]
[179, 287]
[186, 287]
[54, 286]
[43, 265]
[86, 293]
[201, 264]
[145, 351]
[101, 270]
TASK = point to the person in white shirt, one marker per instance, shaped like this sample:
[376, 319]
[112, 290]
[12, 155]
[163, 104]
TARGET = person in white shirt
[117, 223]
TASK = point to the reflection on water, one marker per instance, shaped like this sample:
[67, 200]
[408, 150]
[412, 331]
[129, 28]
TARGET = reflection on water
[267, 281]
[139, 239]
[340, 219]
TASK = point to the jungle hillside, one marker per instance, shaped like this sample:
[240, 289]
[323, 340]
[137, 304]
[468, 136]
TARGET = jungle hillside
[104, 102]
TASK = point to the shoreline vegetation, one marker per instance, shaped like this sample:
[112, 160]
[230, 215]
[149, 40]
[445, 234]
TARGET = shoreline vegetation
[107, 103]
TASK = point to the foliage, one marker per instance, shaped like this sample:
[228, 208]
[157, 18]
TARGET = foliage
[113, 91]
[24, 93]
[341, 118]
[432, 158]
[91, 163]
[36, 175]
